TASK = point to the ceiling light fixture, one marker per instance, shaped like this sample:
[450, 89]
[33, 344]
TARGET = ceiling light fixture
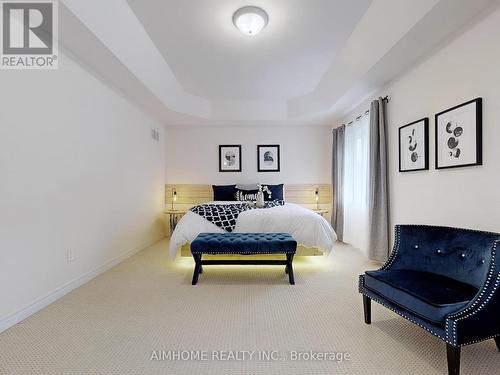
[250, 20]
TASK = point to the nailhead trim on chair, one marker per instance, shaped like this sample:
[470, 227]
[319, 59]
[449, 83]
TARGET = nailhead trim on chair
[427, 329]
[464, 314]
[392, 258]
[397, 235]
[362, 284]
[483, 290]
[446, 227]
[469, 311]
[387, 265]
[406, 317]
[486, 338]
[497, 282]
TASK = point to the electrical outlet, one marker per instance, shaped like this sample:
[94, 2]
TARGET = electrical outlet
[70, 256]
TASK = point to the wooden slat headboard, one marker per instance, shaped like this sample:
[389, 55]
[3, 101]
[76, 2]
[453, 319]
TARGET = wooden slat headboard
[189, 195]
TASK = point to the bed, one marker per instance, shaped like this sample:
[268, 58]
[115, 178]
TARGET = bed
[313, 232]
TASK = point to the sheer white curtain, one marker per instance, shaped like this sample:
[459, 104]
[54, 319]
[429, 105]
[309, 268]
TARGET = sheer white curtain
[356, 183]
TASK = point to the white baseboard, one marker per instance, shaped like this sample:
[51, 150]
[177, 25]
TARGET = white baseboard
[66, 288]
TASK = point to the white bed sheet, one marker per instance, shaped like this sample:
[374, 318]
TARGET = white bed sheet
[306, 226]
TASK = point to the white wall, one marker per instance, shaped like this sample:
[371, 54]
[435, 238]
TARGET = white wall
[193, 154]
[79, 172]
[468, 67]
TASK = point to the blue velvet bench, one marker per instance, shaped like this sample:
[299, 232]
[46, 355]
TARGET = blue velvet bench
[243, 244]
[445, 280]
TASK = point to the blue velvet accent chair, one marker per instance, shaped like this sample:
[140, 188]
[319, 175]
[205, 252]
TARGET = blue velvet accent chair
[445, 280]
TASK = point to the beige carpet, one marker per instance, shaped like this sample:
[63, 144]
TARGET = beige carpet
[113, 324]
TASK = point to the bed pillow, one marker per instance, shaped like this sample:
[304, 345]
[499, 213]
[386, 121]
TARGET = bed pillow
[224, 192]
[246, 195]
[276, 192]
[247, 186]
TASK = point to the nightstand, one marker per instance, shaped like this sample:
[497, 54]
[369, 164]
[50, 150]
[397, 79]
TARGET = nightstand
[320, 211]
[174, 216]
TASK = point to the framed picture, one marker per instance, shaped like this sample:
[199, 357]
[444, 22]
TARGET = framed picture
[414, 146]
[459, 135]
[268, 158]
[230, 158]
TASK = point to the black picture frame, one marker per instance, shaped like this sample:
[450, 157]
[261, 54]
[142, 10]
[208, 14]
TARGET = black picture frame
[425, 124]
[260, 167]
[221, 150]
[478, 129]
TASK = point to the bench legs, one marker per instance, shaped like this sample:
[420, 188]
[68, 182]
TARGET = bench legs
[367, 308]
[453, 354]
[289, 268]
[197, 268]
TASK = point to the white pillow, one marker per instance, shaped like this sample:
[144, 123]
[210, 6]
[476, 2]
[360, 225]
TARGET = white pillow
[247, 186]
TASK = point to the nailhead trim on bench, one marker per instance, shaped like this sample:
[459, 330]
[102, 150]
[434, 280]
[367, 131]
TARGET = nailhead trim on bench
[242, 253]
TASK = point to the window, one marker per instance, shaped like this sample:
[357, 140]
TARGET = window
[356, 183]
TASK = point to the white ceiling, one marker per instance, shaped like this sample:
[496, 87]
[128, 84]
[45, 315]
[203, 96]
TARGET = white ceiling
[186, 63]
[211, 59]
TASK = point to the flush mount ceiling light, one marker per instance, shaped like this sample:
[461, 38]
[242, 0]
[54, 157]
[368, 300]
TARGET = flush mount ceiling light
[250, 20]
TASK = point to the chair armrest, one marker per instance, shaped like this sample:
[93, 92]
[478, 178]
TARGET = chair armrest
[395, 250]
[480, 319]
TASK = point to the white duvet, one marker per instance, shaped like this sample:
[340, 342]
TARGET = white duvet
[307, 227]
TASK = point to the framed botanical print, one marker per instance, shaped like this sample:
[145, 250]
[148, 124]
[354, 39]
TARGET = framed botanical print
[414, 146]
[459, 135]
[268, 158]
[230, 158]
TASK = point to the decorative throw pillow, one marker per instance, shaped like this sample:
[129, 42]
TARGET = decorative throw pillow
[276, 192]
[224, 192]
[246, 195]
[247, 186]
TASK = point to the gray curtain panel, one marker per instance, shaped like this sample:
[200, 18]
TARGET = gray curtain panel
[338, 181]
[378, 204]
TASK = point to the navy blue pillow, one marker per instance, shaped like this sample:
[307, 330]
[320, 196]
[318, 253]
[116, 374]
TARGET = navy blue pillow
[224, 192]
[276, 192]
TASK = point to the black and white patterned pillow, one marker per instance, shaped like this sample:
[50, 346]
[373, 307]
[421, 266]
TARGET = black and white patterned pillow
[246, 195]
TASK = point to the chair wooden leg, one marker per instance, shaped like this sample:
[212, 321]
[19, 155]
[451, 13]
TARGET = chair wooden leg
[453, 355]
[367, 307]
[497, 341]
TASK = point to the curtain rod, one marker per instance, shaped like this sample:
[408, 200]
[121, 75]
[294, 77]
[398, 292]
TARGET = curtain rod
[358, 117]
[386, 98]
